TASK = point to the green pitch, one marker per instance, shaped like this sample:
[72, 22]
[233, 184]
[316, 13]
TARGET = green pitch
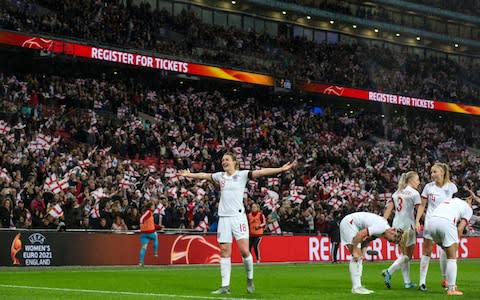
[292, 281]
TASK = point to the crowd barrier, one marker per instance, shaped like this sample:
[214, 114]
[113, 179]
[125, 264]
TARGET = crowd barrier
[48, 248]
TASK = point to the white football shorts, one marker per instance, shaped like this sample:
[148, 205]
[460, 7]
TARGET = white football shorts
[442, 231]
[347, 231]
[236, 225]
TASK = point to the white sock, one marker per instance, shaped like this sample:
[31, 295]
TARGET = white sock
[248, 262]
[406, 270]
[451, 271]
[397, 264]
[424, 261]
[355, 268]
[225, 270]
[443, 263]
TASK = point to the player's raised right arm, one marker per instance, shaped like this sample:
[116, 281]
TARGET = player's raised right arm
[187, 173]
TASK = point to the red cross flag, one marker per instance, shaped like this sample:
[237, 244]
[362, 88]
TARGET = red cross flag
[273, 181]
[56, 211]
[274, 227]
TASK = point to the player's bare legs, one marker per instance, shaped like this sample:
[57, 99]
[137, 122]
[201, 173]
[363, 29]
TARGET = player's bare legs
[356, 268]
[424, 262]
[403, 263]
[225, 268]
[243, 246]
[451, 270]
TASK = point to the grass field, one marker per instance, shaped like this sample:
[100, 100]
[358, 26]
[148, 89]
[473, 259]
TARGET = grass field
[291, 281]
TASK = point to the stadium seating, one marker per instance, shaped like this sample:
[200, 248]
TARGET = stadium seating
[345, 162]
[355, 64]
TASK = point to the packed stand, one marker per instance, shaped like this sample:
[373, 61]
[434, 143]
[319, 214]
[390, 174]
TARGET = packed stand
[94, 168]
[356, 65]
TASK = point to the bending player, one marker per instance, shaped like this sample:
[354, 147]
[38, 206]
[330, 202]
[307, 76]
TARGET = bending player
[445, 226]
[356, 231]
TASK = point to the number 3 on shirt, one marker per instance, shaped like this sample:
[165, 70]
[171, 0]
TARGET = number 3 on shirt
[400, 204]
[243, 227]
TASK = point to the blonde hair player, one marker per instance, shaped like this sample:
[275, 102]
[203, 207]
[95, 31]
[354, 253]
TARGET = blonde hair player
[403, 204]
[434, 193]
[442, 227]
[231, 212]
[357, 230]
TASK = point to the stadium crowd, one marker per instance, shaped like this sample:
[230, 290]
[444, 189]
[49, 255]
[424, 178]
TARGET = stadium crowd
[106, 146]
[286, 56]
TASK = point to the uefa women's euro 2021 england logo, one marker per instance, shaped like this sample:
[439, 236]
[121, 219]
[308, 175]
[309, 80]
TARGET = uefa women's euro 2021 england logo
[36, 252]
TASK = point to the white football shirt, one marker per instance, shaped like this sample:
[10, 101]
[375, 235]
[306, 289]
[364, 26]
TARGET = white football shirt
[404, 206]
[453, 209]
[436, 195]
[231, 192]
[375, 224]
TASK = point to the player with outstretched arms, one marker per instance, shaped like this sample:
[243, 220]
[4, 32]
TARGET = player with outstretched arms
[231, 211]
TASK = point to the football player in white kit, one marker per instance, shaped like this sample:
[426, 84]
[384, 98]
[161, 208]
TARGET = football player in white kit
[403, 203]
[356, 231]
[442, 227]
[231, 212]
[434, 193]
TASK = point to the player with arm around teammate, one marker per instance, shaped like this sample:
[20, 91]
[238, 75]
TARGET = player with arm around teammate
[403, 204]
[231, 212]
[445, 226]
[357, 230]
[433, 194]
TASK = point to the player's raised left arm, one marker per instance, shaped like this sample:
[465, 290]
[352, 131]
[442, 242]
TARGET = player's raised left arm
[273, 171]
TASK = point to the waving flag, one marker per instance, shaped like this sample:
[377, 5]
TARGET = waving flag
[104, 151]
[184, 150]
[185, 193]
[124, 184]
[4, 127]
[84, 163]
[274, 227]
[172, 192]
[203, 225]
[56, 211]
[273, 181]
[159, 210]
[55, 185]
[297, 198]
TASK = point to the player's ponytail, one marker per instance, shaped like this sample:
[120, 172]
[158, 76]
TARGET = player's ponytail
[404, 179]
[402, 183]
